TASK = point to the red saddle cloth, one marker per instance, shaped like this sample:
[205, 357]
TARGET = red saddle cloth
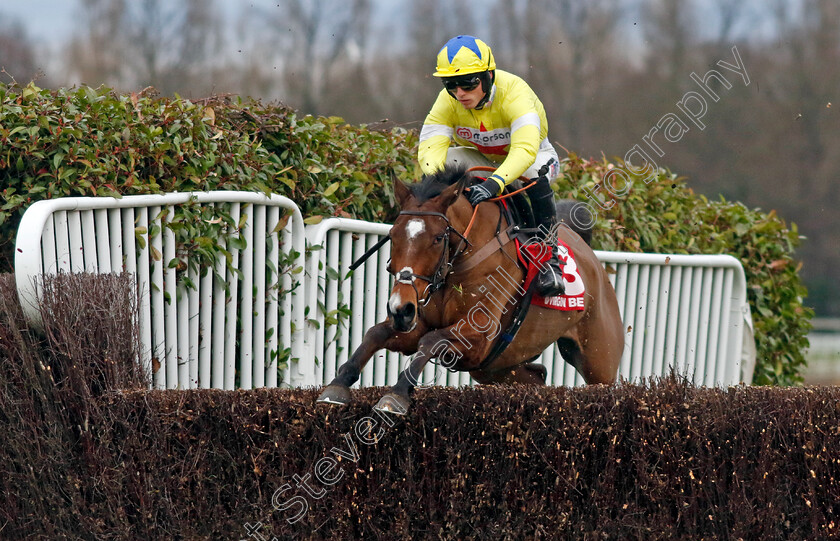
[533, 255]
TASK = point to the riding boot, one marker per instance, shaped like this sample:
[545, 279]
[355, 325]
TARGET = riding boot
[550, 278]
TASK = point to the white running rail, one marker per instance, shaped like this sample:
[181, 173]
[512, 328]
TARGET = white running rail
[689, 312]
[202, 336]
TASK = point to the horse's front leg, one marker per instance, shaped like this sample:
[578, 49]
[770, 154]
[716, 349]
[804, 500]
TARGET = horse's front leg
[381, 335]
[449, 347]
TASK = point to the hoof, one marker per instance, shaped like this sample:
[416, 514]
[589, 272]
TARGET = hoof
[393, 403]
[336, 395]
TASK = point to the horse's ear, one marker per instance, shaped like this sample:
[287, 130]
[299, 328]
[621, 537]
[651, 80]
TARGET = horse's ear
[401, 191]
[451, 194]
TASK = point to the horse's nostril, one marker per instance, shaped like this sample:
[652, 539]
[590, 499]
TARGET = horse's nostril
[406, 311]
[403, 316]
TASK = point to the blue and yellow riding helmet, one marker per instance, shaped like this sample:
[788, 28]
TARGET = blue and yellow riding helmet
[466, 55]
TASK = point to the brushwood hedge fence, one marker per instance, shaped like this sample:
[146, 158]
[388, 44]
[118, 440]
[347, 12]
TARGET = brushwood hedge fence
[82, 459]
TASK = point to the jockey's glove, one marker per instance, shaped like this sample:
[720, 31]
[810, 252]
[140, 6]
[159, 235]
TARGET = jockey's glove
[487, 189]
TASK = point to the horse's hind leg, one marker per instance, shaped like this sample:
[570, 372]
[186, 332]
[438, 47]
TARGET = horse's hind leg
[596, 366]
[528, 372]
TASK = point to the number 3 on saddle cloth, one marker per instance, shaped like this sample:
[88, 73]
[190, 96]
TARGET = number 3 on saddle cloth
[532, 255]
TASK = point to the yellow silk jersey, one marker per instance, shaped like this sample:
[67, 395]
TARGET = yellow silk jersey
[508, 130]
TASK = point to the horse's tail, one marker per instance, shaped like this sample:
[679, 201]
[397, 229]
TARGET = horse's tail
[577, 217]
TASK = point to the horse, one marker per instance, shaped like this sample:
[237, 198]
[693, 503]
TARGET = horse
[457, 282]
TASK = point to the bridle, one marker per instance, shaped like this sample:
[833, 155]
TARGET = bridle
[444, 265]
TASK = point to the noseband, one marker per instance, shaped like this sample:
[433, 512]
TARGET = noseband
[444, 265]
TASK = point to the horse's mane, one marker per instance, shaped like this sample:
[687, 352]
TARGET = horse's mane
[432, 185]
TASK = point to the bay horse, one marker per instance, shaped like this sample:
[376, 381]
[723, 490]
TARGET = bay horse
[454, 297]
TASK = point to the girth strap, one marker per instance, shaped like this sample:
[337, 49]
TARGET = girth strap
[505, 338]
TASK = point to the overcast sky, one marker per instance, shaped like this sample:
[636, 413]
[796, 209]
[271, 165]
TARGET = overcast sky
[50, 20]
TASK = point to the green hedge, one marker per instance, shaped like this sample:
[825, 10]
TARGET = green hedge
[86, 141]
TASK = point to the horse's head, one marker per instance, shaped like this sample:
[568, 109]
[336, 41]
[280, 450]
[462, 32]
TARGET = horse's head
[423, 241]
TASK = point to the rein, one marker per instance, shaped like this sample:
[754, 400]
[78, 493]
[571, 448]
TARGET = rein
[370, 252]
[530, 182]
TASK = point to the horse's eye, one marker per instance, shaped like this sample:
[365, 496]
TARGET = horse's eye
[439, 238]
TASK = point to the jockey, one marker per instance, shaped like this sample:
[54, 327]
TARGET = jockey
[494, 119]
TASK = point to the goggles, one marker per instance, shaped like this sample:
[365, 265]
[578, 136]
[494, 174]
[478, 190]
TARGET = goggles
[464, 82]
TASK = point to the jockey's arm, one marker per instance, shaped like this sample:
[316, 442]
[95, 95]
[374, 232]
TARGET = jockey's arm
[435, 136]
